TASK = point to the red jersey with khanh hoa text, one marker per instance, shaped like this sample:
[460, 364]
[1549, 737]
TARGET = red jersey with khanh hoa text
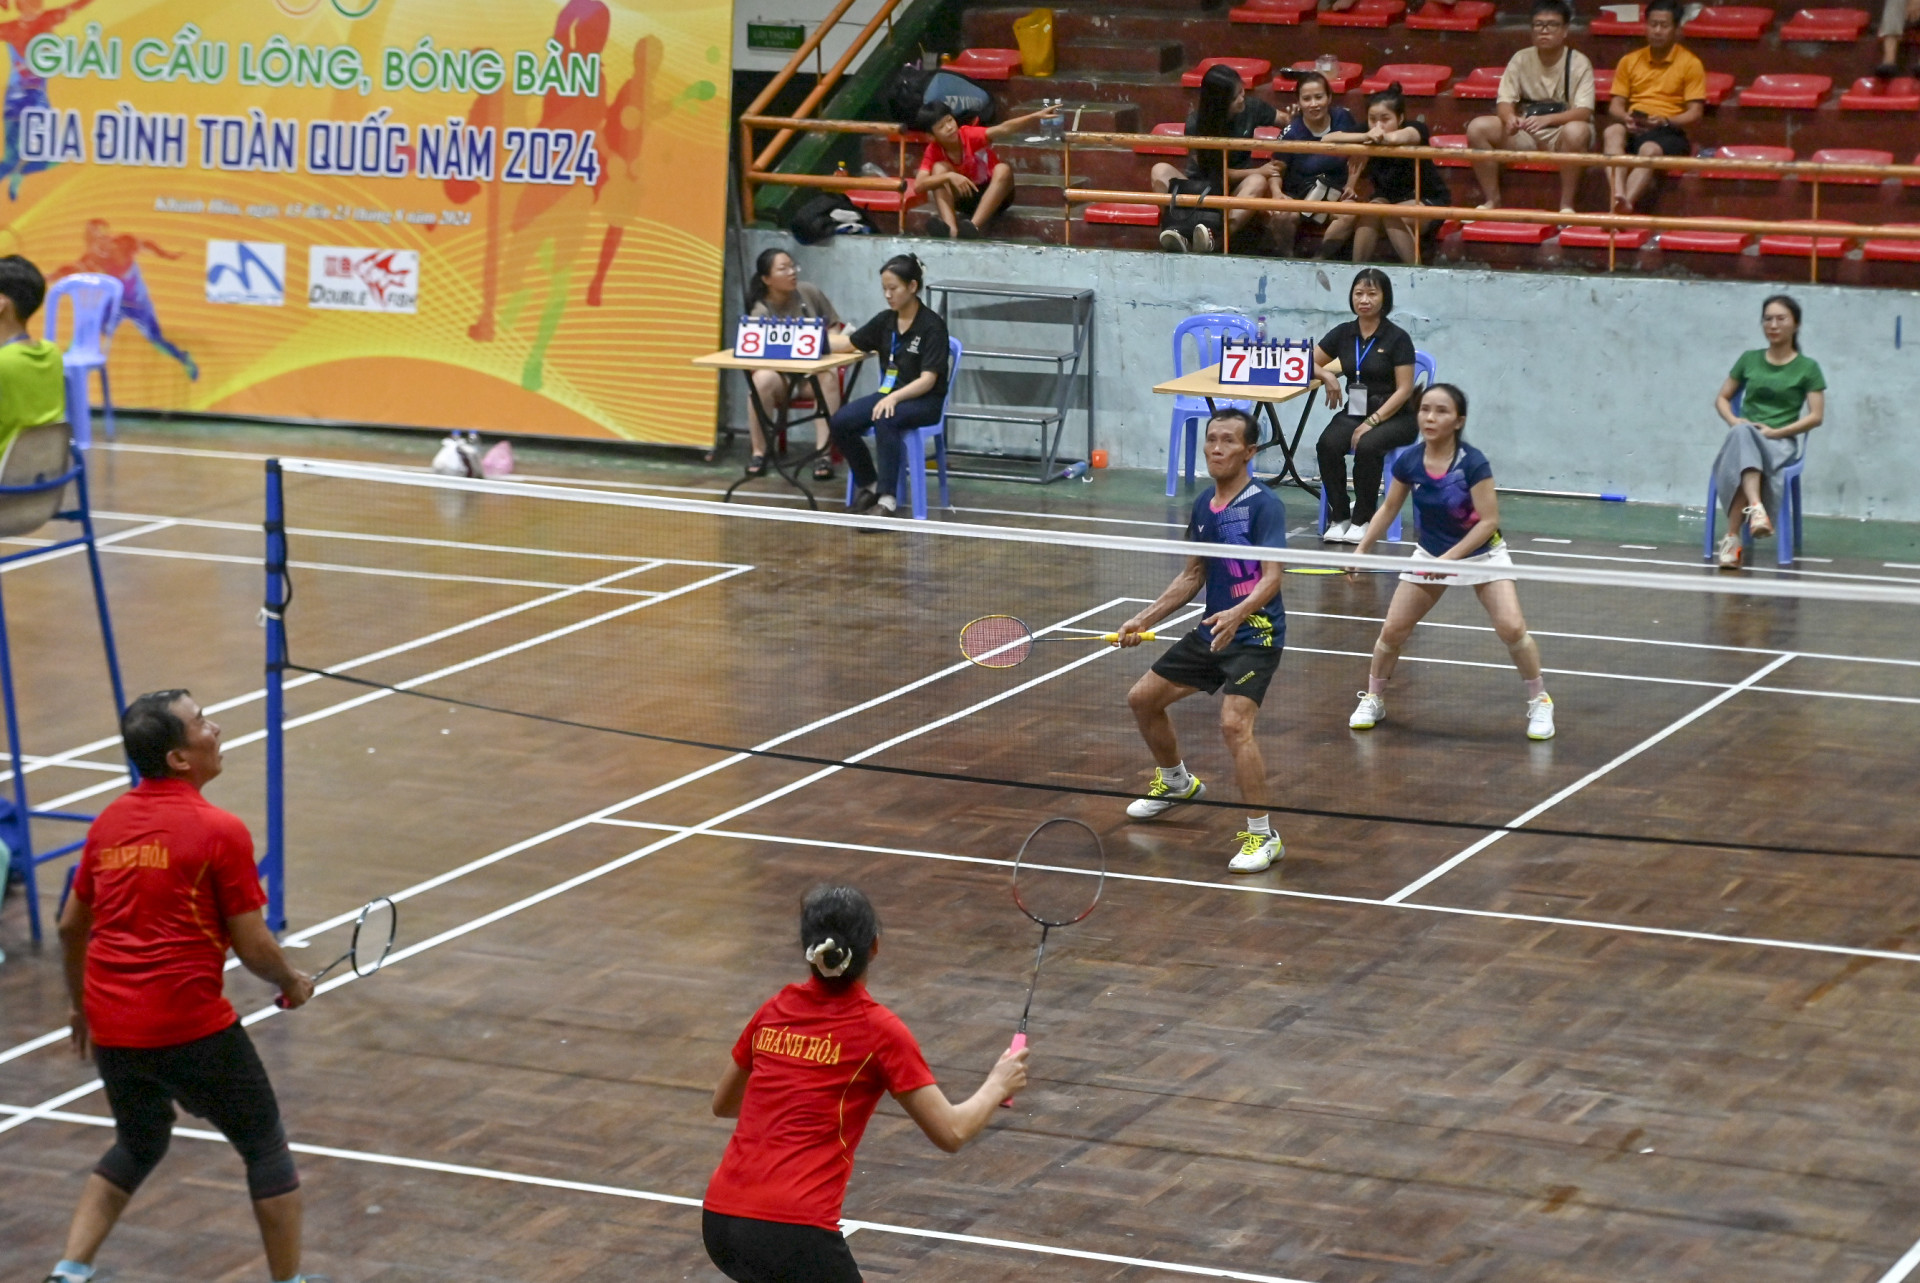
[817, 1064]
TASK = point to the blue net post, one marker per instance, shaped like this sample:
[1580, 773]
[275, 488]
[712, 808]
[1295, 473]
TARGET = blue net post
[273, 866]
[84, 514]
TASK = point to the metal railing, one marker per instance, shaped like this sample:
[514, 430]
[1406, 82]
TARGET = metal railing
[1808, 172]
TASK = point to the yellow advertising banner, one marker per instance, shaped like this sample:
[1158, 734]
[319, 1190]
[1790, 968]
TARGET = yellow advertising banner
[505, 215]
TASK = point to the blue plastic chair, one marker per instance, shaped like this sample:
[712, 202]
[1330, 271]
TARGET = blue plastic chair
[913, 455]
[1786, 522]
[1425, 374]
[1209, 330]
[94, 300]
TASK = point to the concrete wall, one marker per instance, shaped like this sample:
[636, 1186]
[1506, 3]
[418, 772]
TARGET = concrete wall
[1588, 383]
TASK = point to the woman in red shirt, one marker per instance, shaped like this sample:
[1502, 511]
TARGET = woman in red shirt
[806, 1074]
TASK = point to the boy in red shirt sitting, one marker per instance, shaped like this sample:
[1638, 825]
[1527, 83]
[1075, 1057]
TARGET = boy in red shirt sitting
[967, 181]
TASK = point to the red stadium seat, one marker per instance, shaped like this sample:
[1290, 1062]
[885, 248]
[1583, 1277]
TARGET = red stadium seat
[1348, 77]
[1602, 84]
[1605, 24]
[986, 64]
[1719, 85]
[1264, 131]
[1596, 238]
[1171, 129]
[1281, 13]
[1780, 243]
[1730, 22]
[1490, 233]
[879, 202]
[1464, 15]
[1365, 13]
[1705, 242]
[1747, 151]
[1482, 84]
[1902, 93]
[1791, 89]
[1416, 79]
[1458, 141]
[1252, 70]
[1892, 251]
[1825, 24]
[1852, 156]
[1124, 214]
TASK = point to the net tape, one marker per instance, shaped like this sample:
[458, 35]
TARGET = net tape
[1688, 581]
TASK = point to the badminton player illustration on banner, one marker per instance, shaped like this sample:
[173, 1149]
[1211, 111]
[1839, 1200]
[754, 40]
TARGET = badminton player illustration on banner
[116, 256]
[1234, 651]
[805, 1076]
[1453, 493]
[26, 89]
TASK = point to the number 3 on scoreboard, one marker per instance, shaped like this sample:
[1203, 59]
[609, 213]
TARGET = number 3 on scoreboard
[1295, 366]
[1235, 369]
[806, 343]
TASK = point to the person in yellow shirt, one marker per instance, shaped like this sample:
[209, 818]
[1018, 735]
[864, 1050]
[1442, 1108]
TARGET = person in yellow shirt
[1657, 92]
[33, 380]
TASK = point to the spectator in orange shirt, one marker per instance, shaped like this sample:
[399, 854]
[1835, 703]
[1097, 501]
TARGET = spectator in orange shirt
[1657, 92]
[960, 171]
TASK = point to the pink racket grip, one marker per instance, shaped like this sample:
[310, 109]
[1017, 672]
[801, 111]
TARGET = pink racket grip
[1019, 1041]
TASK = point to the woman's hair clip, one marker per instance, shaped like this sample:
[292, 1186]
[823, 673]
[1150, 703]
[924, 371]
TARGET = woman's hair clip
[821, 950]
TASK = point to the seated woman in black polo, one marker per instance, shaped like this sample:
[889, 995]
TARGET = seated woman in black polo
[911, 342]
[1376, 408]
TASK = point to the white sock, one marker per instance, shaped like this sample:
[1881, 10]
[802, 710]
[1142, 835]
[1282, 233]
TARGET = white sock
[73, 1270]
[1258, 824]
[1176, 777]
[888, 503]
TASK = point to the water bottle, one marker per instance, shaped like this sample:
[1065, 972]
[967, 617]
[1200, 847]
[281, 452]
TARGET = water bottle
[1327, 65]
[1056, 126]
[1260, 329]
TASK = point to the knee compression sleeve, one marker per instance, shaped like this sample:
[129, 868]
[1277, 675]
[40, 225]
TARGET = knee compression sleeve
[270, 1169]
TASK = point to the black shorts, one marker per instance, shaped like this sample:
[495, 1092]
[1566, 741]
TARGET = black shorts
[1240, 669]
[1671, 141]
[754, 1251]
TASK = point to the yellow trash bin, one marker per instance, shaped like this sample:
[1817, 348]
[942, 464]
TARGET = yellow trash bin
[1034, 34]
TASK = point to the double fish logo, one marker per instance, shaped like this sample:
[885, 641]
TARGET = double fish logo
[345, 8]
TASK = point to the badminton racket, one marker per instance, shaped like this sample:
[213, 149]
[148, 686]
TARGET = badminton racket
[374, 928]
[1057, 880]
[1001, 641]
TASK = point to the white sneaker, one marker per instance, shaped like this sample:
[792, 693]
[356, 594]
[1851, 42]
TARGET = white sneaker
[1352, 532]
[1257, 852]
[1373, 711]
[1161, 798]
[1172, 241]
[1730, 552]
[1336, 532]
[1539, 717]
[1202, 239]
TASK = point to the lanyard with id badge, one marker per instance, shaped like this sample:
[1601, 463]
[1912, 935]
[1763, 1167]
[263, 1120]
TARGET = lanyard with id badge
[1356, 390]
[892, 375]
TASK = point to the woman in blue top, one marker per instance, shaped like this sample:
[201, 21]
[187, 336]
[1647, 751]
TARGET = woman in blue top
[1459, 516]
[1309, 176]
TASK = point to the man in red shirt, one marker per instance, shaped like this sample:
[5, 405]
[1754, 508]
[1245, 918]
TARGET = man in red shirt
[166, 884]
[961, 172]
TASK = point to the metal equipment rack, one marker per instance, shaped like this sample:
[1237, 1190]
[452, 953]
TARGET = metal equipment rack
[1072, 368]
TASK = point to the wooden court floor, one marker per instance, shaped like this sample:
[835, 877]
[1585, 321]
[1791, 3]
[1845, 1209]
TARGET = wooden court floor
[1408, 1053]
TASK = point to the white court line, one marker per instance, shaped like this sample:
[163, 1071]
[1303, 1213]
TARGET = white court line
[301, 937]
[1249, 888]
[680, 1200]
[236, 559]
[99, 541]
[1531, 812]
[1901, 1269]
[269, 1011]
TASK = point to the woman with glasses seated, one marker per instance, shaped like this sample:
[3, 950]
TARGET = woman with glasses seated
[777, 290]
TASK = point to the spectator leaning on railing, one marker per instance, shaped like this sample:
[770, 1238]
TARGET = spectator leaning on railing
[1657, 92]
[1393, 179]
[1545, 103]
[1224, 111]
[960, 171]
[1308, 176]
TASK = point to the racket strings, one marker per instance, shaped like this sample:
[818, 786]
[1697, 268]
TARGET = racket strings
[996, 641]
[373, 935]
[1060, 873]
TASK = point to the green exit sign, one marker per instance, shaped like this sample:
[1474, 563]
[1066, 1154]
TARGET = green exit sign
[775, 36]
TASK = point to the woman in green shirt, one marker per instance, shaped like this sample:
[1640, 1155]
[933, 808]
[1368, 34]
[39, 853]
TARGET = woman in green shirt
[1782, 397]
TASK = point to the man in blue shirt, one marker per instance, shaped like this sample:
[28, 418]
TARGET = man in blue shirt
[1234, 649]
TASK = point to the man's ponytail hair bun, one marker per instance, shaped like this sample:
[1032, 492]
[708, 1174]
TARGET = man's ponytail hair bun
[838, 929]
